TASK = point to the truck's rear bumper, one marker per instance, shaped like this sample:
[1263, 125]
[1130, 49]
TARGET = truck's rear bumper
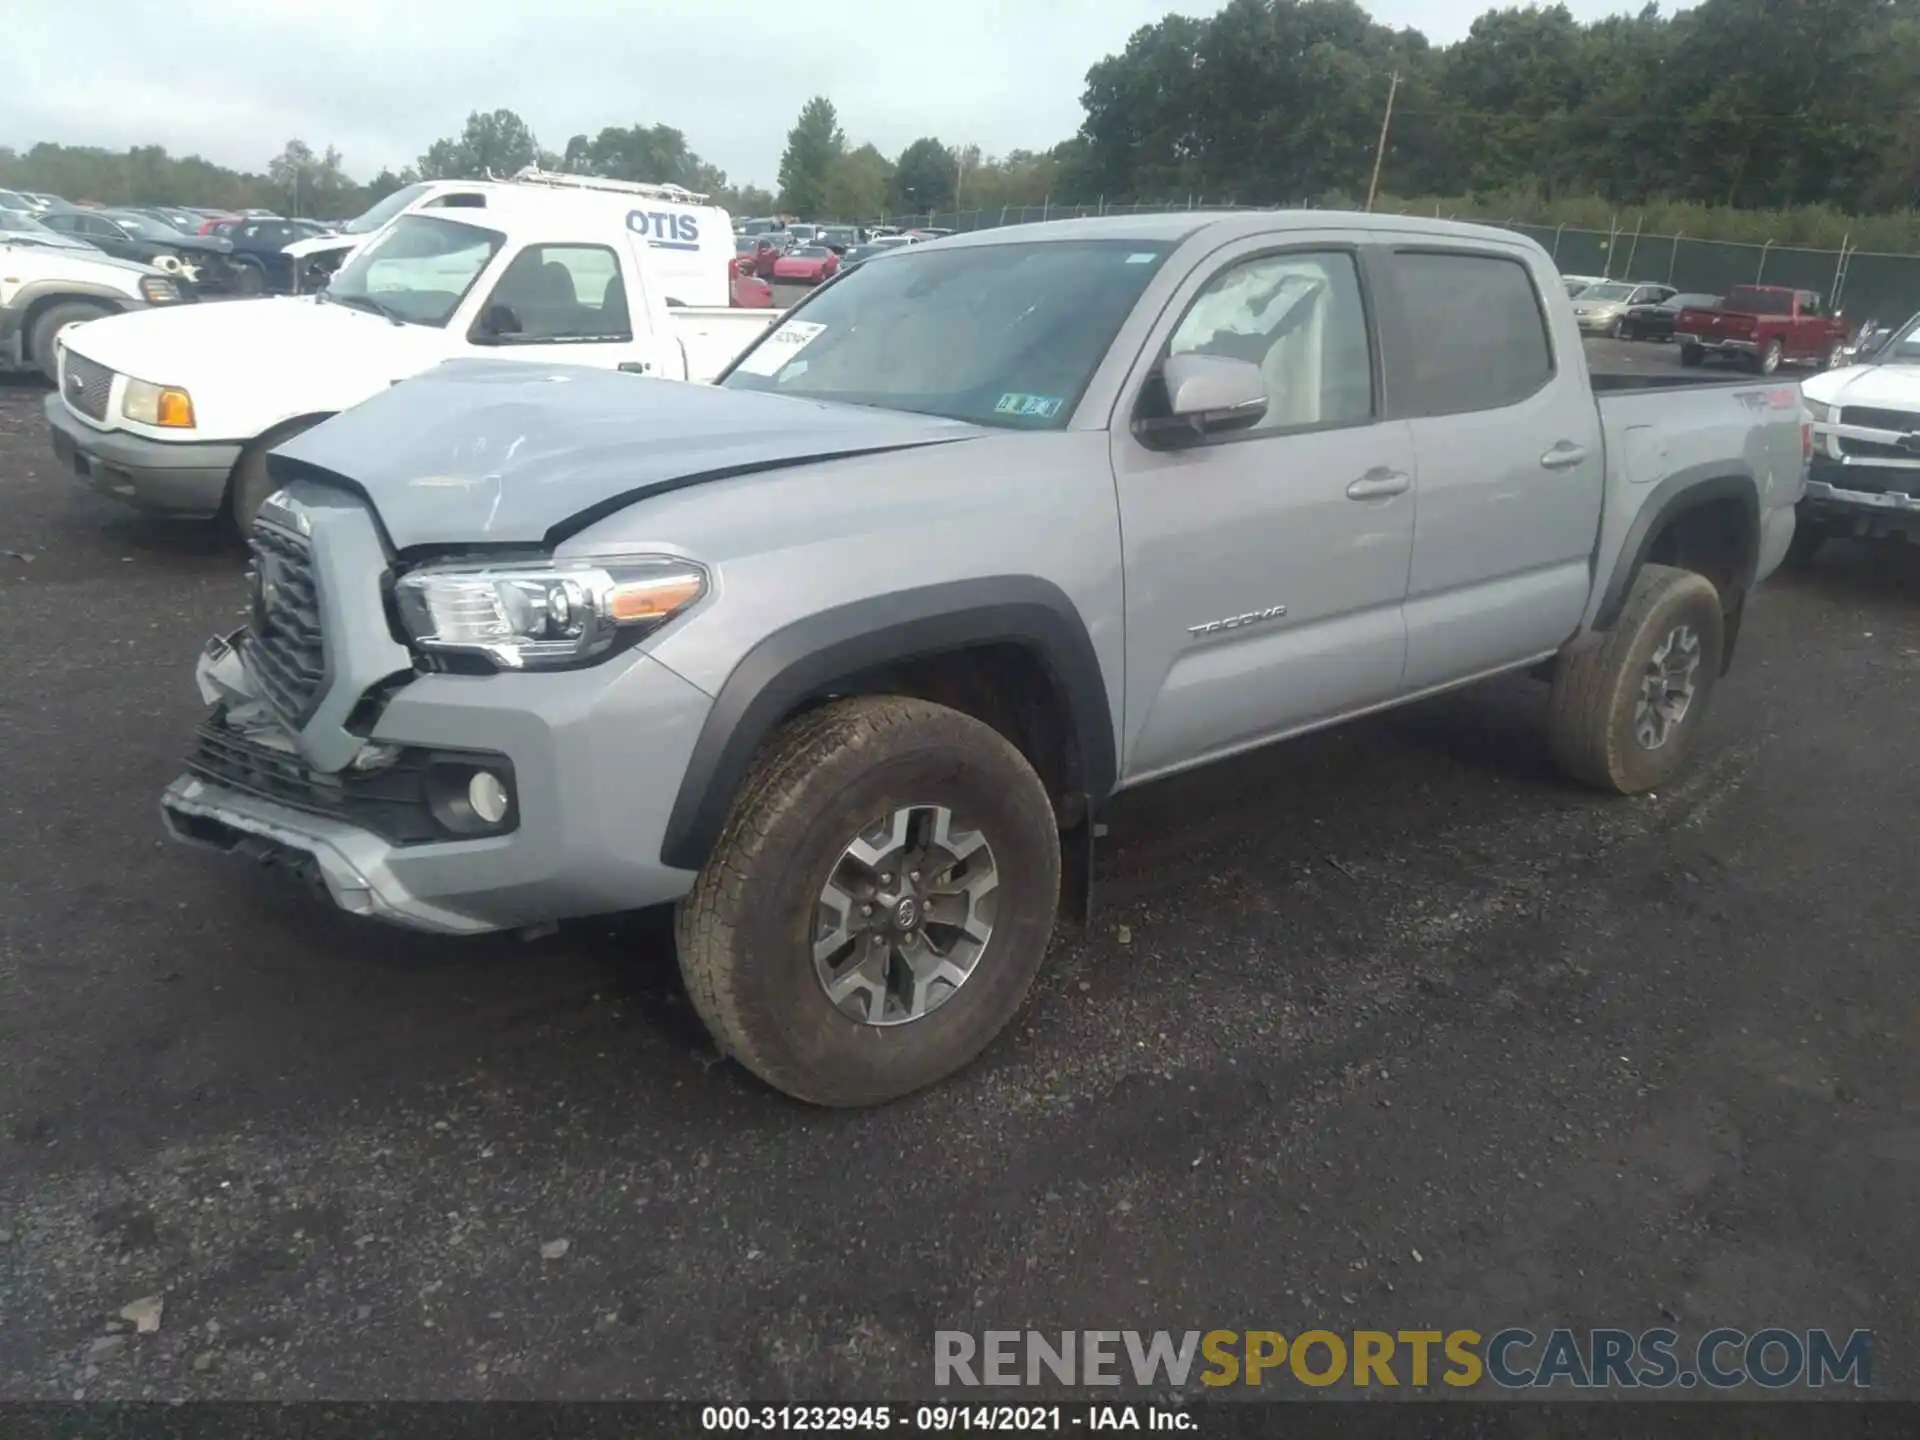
[1717, 345]
[187, 480]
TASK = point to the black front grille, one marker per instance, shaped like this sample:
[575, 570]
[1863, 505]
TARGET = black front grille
[1868, 418]
[86, 385]
[392, 802]
[284, 646]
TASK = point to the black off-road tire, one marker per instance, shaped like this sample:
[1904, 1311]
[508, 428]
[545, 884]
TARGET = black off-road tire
[250, 484]
[745, 932]
[1596, 690]
[1691, 355]
[47, 326]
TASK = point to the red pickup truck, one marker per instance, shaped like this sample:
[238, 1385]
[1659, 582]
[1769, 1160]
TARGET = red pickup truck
[1764, 325]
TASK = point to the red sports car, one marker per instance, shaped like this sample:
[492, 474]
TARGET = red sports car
[757, 254]
[810, 264]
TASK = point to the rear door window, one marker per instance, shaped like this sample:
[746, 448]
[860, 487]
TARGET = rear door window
[1475, 333]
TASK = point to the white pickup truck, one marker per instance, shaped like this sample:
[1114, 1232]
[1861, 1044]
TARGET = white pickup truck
[174, 411]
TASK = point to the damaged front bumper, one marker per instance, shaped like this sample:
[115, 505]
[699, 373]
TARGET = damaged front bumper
[591, 760]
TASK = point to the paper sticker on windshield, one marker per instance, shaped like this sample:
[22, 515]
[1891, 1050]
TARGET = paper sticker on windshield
[780, 347]
[1028, 407]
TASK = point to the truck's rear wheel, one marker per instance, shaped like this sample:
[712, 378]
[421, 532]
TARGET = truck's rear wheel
[47, 328]
[1626, 711]
[878, 903]
[1771, 354]
[1691, 355]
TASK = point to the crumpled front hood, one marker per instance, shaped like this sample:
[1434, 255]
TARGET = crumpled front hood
[505, 452]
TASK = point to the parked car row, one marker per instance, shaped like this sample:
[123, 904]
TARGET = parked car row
[206, 250]
[1760, 326]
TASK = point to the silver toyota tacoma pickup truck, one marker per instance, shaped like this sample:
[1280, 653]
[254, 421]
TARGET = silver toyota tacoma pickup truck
[844, 653]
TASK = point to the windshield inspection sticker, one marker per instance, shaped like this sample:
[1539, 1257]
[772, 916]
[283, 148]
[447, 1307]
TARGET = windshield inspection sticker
[1036, 407]
[780, 347]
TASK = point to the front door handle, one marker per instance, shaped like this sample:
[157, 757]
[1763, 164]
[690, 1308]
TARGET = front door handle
[637, 367]
[1378, 483]
[1564, 456]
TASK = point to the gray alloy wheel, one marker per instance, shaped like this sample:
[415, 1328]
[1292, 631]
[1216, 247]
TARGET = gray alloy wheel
[1666, 688]
[905, 916]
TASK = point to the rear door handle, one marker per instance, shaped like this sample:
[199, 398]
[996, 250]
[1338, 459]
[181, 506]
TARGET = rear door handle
[1564, 456]
[637, 367]
[1379, 483]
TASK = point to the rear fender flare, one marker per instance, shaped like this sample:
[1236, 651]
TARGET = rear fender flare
[1671, 498]
[804, 660]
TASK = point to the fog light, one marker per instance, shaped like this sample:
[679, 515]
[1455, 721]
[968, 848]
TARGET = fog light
[487, 796]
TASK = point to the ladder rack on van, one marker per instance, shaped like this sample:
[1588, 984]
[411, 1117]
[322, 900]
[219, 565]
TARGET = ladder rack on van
[533, 175]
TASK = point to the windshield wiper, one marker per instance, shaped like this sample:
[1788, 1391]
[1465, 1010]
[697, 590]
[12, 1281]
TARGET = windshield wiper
[368, 303]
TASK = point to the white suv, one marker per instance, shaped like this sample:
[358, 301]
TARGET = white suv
[52, 282]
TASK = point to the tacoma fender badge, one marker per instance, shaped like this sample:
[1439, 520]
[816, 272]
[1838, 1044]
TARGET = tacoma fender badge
[1237, 622]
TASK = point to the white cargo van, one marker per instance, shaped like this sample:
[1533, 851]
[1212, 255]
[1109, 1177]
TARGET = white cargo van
[692, 241]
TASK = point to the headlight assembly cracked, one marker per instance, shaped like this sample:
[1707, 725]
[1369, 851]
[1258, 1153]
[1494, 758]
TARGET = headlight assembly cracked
[545, 615]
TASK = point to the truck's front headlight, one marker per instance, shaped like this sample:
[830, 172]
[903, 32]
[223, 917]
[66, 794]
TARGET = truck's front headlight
[167, 406]
[1818, 413]
[159, 290]
[544, 615]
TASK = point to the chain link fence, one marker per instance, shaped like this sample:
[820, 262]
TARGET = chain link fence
[1859, 282]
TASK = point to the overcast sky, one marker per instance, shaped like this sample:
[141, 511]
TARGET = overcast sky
[381, 79]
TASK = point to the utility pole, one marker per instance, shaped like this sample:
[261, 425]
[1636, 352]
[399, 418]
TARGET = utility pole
[1380, 154]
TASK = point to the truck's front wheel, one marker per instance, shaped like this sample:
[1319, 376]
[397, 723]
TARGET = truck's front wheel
[878, 903]
[1626, 710]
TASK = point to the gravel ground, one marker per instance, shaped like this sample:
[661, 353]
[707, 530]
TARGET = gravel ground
[1384, 1028]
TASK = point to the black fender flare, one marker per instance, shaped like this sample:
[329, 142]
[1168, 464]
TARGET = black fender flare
[804, 660]
[1671, 498]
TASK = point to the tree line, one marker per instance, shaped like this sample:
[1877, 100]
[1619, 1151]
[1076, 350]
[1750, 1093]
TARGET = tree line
[1787, 120]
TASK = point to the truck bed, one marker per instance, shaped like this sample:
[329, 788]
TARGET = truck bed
[1683, 429]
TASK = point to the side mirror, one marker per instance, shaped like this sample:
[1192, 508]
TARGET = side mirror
[1206, 395]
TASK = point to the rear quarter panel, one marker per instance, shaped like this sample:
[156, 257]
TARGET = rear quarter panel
[1661, 442]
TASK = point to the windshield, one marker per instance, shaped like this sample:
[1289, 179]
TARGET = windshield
[145, 226]
[370, 220]
[812, 252]
[1751, 300]
[839, 236]
[1606, 292]
[419, 270]
[1903, 348]
[1004, 335]
[19, 224]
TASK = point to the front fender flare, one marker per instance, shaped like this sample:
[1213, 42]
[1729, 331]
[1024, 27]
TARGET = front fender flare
[803, 661]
